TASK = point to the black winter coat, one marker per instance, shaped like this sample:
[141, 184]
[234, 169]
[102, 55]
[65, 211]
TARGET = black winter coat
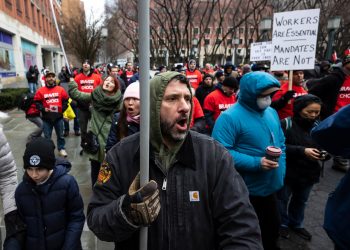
[112, 136]
[53, 211]
[222, 217]
[301, 170]
[327, 89]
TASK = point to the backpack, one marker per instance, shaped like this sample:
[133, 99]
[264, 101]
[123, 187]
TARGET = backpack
[26, 101]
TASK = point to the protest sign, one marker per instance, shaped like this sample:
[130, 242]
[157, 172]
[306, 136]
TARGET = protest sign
[260, 51]
[294, 39]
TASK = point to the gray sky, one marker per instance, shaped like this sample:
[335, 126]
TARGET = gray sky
[97, 7]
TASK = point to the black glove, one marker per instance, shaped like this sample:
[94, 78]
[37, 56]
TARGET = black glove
[15, 227]
[142, 205]
[288, 95]
[280, 103]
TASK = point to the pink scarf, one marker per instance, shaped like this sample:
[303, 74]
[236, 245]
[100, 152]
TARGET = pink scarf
[135, 118]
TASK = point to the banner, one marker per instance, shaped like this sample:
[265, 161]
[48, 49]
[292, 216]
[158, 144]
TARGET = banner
[260, 51]
[294, 39]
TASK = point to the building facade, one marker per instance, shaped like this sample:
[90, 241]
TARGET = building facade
[28, 36]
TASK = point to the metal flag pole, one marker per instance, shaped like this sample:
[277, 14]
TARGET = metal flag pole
[144, 52]
[59, 36]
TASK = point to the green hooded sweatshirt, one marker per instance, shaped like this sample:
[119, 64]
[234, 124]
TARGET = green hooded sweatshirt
[103, 108]
[157, 88]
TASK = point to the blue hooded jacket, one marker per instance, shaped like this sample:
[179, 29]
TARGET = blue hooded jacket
[246, 131]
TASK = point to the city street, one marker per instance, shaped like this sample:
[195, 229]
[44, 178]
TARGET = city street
[16, 128]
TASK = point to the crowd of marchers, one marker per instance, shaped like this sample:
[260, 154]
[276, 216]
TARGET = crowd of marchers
[233, 156]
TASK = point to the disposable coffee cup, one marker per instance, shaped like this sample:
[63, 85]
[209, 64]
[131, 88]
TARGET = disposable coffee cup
[273, 153]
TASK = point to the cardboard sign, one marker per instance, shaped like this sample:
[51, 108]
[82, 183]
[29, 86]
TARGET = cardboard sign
[260, 51]
[294, 39]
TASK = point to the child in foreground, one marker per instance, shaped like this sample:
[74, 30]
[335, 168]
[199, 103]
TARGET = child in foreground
[48, 200]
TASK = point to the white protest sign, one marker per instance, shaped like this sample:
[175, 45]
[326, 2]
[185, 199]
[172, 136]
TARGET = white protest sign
[294, 39]
[260, 51]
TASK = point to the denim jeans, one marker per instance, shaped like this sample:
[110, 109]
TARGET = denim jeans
[58, 125]
[292, 203]
[32, 87]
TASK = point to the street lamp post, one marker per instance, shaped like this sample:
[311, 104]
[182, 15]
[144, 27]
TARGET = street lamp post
[194, 47]
[104, 35]
[265, 26]
[236, 43]
[332, 26]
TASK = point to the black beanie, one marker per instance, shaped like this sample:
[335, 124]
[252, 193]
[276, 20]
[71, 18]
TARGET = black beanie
[40, 152]
[230, 82]
[303, 101]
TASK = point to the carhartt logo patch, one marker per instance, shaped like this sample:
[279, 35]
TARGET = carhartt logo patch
[194, 196]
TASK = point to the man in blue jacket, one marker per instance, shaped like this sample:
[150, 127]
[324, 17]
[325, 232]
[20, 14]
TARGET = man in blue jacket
[246, 130]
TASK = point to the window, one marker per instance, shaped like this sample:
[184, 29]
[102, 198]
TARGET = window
[18, 7]
[252, 31]
[8, 4]
[39, 23]
[250, 41]
[196, 31]
[206, 42]
[218, 41]
[33, 14]
[241, 30]
[218, 31]
[26, 12]
[240, 41]
[229, 41]
[207, 31]
[239, 51]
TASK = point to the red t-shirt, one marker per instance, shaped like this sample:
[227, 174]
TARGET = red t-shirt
[51, 98]
[197, 111]
[129, 74]
[194, 78]
[287, 110]
[344, 95]
[218, 102]
[86, 83]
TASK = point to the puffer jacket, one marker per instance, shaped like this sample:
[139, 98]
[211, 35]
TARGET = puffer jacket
[246, 131]
[53, 211]
[8, 175]
[222, 218]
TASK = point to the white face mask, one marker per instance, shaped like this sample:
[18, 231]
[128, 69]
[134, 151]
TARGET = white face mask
[263, 102]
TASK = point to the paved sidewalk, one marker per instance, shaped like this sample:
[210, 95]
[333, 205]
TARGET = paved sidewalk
[17, 128]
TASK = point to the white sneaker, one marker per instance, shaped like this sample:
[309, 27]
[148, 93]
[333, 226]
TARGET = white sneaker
[62, 153]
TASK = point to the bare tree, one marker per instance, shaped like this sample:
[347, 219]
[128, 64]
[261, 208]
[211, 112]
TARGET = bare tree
[82, 39]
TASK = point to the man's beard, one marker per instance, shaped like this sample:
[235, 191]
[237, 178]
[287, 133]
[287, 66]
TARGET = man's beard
[170, 132]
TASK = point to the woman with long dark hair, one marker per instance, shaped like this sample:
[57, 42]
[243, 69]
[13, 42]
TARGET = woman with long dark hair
[127, 122]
